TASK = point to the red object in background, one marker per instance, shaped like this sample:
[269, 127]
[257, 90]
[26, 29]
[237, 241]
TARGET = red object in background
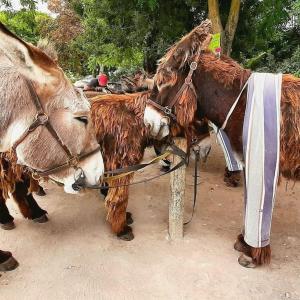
[103, 80]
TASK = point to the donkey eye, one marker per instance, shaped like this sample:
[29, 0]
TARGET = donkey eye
[82, 119]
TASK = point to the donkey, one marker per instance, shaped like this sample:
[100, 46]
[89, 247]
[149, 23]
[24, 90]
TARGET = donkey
[211, 89]
[123, 137]
[39, 109]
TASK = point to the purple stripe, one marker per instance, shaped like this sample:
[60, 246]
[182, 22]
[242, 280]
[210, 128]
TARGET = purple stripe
[227, 146]
[270, 156]
[247, 115]
[249, 104]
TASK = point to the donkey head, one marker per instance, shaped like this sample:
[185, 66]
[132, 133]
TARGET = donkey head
[67, 108]
[170, 76]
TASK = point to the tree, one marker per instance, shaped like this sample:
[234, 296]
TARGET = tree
[25, 23]
[227, 34]
[267, 36]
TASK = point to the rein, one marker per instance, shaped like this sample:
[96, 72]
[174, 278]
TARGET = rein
[42, 119]
[188, 83]
[123, 172]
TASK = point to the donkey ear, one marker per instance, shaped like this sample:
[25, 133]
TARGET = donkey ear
[30, 61]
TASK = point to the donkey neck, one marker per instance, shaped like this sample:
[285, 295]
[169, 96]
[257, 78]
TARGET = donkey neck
[218, 83]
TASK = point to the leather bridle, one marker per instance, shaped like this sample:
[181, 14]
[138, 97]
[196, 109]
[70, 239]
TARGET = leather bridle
[42, 119]
[188, 83]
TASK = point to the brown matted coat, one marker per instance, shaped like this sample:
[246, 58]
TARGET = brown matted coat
[123, 137]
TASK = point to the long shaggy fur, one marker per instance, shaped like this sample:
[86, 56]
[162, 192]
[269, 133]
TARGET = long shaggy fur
[120, 131]
[12, 174]
[123, 137]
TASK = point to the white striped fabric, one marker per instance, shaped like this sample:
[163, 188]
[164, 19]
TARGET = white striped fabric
[232, 163]
[261, 141]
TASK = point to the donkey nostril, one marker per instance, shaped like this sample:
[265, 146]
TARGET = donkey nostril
[76, 187]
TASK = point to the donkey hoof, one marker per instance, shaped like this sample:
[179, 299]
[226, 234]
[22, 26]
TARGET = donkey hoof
[246, 261]
[129, 219]
[9, 265]
[8, 226]
[126, 234]
[41, 219]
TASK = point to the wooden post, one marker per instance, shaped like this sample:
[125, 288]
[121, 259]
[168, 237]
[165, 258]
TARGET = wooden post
[176, 203]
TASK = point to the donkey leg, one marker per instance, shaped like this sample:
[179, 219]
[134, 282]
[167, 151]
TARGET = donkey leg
[129, 218]
[252, 256]
[7, 261]
[38, 214]
[28, 206]
[6, 220]
[117, 200]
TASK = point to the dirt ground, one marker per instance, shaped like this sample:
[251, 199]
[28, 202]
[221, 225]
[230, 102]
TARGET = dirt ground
[75, 256]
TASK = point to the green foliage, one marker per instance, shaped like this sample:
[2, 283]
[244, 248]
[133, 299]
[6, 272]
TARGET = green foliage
[134, 32]
[25, 4]
[131, 34]
[25, 23]
[268, 35]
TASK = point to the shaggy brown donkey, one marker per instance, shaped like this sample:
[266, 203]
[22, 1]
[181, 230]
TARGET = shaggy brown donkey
[216, 84]
[120, 130]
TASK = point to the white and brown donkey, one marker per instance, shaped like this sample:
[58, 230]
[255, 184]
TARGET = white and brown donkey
[29, 80]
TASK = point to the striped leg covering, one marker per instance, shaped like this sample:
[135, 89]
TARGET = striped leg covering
[232, 163]
[261, 142]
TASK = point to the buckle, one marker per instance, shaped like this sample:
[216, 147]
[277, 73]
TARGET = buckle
[74, 161]
[193, 65]
[42, 118]
[167, 110]
[35, 175]
[188, 81]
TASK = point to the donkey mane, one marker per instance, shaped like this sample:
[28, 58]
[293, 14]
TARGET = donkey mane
[135, 102]
[224, 70]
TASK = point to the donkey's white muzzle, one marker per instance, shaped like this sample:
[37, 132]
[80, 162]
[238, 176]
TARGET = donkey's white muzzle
[156, 122]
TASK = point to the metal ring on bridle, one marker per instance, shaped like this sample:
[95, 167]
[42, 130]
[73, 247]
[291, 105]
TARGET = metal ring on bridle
[188, 81]
[193, 65]
[167, 110]
[42, 117]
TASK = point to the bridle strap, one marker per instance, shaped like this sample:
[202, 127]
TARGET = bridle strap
[188, 83]
[165, 109]
[70, 163]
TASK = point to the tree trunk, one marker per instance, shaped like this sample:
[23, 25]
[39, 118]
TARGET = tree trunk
[231, 26]
[227, 35]
[214, 16]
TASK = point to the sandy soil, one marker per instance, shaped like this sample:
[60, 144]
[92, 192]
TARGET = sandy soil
[75, 256]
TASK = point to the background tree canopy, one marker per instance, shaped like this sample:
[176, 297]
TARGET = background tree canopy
[118, 34]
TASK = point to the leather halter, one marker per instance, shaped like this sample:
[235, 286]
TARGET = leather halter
[42, 119]
[188, 83]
